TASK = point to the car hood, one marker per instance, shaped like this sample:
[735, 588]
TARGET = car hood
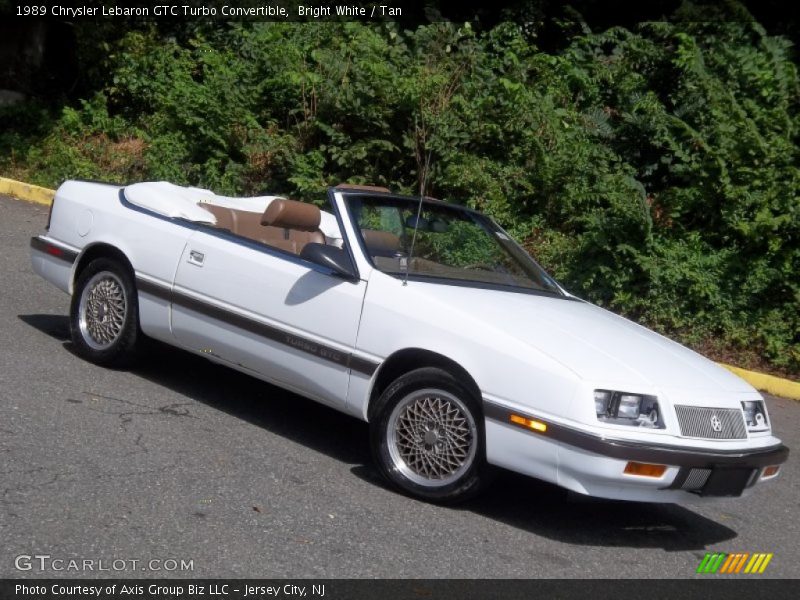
[595, 344]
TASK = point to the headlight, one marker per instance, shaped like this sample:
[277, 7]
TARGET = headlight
[755, 415]
[628, 407]
[623, 408]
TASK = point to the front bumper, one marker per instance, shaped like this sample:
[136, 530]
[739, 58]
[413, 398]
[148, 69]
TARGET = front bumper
[592, 464]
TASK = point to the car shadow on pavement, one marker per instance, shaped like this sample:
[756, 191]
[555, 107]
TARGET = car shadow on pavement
[552, 512]
[56, 326]
[259, 403]
[544, 509]
[521, 502]
[267, 406]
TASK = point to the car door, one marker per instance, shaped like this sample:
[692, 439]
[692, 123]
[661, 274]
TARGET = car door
[266, 311]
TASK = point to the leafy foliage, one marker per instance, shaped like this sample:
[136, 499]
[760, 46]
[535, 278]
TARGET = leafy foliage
[653, 170]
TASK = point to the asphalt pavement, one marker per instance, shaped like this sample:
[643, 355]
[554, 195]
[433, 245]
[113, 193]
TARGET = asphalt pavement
[182, 460]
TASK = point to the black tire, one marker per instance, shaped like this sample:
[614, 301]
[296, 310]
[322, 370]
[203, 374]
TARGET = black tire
[432, 467]
[98, 333]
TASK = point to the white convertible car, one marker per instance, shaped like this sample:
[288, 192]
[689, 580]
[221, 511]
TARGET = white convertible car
[421, 317]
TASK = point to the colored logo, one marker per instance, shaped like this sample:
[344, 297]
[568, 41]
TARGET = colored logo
[742, 562]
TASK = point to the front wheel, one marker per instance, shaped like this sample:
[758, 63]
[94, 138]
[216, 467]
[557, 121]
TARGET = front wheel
[427, 436]
[104, 314]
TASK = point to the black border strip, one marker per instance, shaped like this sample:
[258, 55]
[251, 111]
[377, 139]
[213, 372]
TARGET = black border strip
[275, 334]
[68, 256]
[705, 587]
[680, 456]
[158, 290]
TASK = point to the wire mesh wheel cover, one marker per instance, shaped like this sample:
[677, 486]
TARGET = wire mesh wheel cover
[432, 437]
[102, 310]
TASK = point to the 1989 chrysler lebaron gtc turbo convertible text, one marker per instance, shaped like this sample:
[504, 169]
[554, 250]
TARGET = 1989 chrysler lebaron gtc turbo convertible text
[421, 317]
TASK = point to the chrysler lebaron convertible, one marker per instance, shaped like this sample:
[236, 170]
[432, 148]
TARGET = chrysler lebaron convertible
[421, 317]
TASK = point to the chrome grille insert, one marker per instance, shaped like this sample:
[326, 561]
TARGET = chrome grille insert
[711, 423]
[696, 479]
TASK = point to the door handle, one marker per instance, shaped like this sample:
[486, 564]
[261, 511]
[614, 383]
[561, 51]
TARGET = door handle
[196, 258]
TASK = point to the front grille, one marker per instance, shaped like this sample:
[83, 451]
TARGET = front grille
[698, 422]
[696, 479]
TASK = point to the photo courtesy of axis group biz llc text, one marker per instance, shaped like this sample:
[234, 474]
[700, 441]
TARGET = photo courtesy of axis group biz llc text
[133, 589]
[455, 300]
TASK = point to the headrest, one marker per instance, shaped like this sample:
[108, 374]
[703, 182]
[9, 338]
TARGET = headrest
[381, 242]
[291, 214]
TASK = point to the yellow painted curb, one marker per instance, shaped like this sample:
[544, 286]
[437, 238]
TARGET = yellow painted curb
[26, 191]
[768, 383]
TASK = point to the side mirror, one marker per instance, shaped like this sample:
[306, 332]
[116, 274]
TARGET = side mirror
[335, 259]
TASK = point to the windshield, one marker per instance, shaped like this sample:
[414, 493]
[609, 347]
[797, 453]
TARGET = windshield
[451, 244]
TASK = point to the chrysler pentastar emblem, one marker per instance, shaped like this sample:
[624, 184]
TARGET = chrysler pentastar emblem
[716, 424]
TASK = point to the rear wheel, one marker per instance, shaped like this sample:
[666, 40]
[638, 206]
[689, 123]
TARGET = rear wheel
[104, 314]
[427, 437]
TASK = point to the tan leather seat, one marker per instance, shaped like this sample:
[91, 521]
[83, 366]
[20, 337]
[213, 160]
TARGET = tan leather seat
[290, 225]
[225, 219]
[380, 243]
[299, 221]
[248, 224]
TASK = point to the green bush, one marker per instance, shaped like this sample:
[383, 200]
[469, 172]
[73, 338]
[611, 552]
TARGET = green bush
[652, 170]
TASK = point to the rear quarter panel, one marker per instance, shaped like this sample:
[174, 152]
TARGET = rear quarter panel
[87, 214]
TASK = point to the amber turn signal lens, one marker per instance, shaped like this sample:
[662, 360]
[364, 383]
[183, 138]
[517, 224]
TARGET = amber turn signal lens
[771, 471]
[529, 423]
[644, 469]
